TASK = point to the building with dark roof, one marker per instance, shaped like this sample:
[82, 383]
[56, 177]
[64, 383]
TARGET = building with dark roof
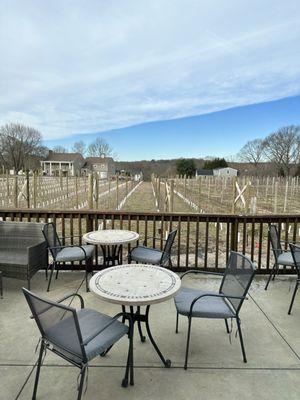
[62, 163]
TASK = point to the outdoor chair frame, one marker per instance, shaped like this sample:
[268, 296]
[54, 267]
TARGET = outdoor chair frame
[234, 302]
[79, 359]
[278, 251]
[55, 246]
[295, 250]
[164, 256]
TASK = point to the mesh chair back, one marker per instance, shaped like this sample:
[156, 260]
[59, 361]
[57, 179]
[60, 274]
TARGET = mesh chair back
[58, 324]
[237, 278]
[275, 241]
[295, 250]
[52, 239]
[168, 245]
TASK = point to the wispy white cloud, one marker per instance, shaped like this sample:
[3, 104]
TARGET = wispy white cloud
[79, 67]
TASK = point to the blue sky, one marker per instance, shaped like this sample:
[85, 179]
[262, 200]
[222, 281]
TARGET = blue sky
[127, 67]
[220, 133]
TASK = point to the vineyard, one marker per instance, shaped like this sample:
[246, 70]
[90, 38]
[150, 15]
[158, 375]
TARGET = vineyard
[205, 195]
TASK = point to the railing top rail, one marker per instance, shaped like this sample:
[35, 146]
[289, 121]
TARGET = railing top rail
[175, 216]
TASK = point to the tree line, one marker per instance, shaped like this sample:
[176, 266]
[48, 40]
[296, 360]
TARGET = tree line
[281, 148]
[21, 147]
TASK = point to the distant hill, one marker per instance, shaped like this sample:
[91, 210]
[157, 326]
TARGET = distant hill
[167, 168]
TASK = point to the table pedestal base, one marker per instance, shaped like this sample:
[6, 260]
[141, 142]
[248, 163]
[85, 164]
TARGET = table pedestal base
[136, 316]
[112, 255]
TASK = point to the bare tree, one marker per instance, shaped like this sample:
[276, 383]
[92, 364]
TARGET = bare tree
[20, 146]
[252, 152]
[99, 148]
[79, 147]
[60, 149]
[283, 148]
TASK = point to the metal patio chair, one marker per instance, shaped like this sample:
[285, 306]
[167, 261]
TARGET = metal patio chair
[149, 255]
[295, 250]
[77, 336]
[282, 257]
[69, 253]
[225, 304]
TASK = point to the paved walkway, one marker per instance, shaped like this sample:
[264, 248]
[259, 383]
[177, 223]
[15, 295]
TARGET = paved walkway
[272, 340]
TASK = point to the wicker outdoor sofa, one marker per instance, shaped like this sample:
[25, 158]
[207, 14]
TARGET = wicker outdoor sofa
[23, 250]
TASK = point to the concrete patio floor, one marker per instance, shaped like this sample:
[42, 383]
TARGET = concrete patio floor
[216, 369]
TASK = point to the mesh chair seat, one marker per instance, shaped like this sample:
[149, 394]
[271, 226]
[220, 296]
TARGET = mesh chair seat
[89, 322]
[285, 258]
[74, 253]
[146, 255]
[207, 307]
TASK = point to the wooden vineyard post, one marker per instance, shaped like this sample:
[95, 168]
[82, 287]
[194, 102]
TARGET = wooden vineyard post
[199, 192]
[96, 191]
[171, 195]
[34, 194]
[109, 186]
[109, 189]
[248, 197]
[7, 184]
[285, 195]
[67, 184]
[275, 197]
[60, 180]
[15, 191]
[76, 192]
[27, 189]
[158, 193]
[184, 185]
[90, 191]
[234, 181]
[117, 191]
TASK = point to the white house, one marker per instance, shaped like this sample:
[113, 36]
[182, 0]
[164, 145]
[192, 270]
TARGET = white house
[64, 163]
[104, 166]
[227, 171]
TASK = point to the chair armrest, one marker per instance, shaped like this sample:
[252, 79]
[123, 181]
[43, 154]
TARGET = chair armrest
[196, 271]
[98, 331]
[72, 295]
[215, 295]
[37, 253]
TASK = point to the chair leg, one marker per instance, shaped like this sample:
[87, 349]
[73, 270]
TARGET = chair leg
[38, 369]
[270, 276]
[241, 339]
[128, 365]
[51, 274]
[131, 355]
[293, 297]
[188, 343]
[56, 276]
[83, 371]
[227, 327]
[177, 318]
[28, 283]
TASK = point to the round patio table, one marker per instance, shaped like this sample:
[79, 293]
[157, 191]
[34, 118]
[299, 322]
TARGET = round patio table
[136, 285]
[111, 242]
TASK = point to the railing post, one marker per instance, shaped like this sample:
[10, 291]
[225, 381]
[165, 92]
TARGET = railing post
[89, 222]
[234, 235]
